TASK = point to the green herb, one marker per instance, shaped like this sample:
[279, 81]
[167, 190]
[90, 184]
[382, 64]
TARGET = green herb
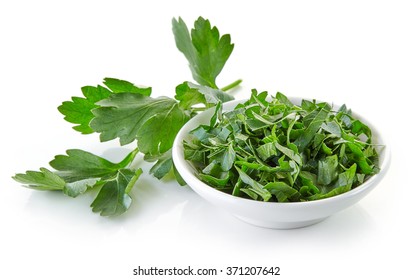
[119, 109]
[79, 110]
[278, 151]
[203, 47]
[264, 150]
[79, 170]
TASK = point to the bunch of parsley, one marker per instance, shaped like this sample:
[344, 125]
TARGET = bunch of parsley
[119, 109]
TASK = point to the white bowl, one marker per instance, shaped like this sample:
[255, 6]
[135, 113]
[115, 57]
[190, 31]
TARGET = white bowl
[273, 214]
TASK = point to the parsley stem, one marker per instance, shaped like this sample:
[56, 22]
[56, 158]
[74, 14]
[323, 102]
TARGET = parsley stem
[200, 109]
[133, 180]
[232, 85]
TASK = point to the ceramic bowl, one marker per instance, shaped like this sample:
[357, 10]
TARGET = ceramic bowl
[273, 214]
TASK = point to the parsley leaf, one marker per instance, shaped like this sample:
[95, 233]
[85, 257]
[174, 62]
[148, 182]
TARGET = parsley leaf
[154, 122]
[79, 165]
[79, 170]
[76, 188]
[47, 180]
[163, 165]
[79, 109]
[190, 94]
[118, 86]
[43, 180]
[204, 49]
[113, 198]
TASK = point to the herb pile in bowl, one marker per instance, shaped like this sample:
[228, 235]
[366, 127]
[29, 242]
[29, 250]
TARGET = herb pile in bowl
[281, 151]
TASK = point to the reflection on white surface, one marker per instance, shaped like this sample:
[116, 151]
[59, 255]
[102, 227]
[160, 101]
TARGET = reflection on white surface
[170, 225]
[166, 206]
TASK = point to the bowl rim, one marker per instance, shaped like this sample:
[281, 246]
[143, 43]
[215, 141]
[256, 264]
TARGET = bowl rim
[186, 170]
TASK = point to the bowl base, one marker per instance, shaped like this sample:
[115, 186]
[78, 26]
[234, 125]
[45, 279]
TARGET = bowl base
[280, 225]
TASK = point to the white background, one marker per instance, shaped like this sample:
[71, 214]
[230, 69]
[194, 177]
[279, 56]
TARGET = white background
[353, 52]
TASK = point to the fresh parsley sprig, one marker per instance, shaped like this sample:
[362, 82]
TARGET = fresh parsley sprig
[119, 109]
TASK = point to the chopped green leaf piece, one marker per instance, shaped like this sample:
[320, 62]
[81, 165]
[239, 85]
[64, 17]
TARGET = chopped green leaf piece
[217, 114]
[333, 128]
[255, 186]
[328, 170]
[309, 133]
[289, 153]
[283, 99]
[228, 158]
[216, 182]
[283, 191]
[267, 151]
